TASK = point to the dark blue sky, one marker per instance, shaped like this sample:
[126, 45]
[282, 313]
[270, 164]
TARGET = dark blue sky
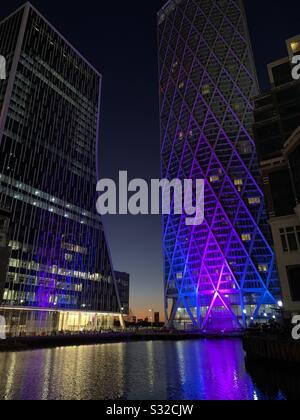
[119, 38]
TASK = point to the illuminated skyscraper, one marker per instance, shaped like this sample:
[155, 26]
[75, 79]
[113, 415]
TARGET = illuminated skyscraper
[60, 275]
[220, 275]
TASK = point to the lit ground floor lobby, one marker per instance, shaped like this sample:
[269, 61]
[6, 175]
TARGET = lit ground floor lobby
[40, 322]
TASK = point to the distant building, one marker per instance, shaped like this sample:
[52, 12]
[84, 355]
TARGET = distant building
[156, 318]
[277, 112]
[60, 274]
[277, 133]
[123, 283]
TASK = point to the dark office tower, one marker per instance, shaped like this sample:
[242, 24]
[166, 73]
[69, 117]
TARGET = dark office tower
[60, 274]
[277, 135]
[4, 250]
[220, 275]
[123, 282]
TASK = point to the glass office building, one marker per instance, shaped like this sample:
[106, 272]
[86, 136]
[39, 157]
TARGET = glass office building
[60, 275]
[219, 276]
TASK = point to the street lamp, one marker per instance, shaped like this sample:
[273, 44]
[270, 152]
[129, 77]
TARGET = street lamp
[152, 320]
[280, 304]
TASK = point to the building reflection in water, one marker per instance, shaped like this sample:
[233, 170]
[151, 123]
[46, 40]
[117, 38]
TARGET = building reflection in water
[282, 382]
[209, 369]
[199, 369]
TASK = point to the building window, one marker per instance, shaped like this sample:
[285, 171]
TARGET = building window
[284, 242]
[254, 200]
[238, 182]
[206, 90]
[295, 46]
[290, 239]
[246, 237]
[175, 65]
[245, 148]
[294, 282]
[263, 268]
[214, 179]
[238, 106]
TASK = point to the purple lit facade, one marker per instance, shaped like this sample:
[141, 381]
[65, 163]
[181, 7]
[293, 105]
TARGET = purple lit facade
[222, 275]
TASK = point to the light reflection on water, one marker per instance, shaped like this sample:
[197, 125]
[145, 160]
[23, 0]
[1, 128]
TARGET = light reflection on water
[207, 369]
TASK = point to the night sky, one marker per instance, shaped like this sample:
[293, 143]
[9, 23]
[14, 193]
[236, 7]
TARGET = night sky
[119, 38]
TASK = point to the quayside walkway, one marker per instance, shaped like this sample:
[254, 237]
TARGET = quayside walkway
[63, 340]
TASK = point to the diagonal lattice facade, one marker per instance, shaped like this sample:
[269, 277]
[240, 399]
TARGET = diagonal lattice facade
[220, 275]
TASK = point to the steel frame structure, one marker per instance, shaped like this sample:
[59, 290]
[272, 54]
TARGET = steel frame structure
[222, 274]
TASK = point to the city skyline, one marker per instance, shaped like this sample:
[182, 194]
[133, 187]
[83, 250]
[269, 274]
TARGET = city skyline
[149, 203]
[147, 271]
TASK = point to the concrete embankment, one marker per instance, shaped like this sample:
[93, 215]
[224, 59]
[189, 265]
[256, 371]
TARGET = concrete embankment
[29, 343]
[273, 349]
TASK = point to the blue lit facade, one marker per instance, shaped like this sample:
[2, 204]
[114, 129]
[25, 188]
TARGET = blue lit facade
[222, 275]
[59, 259]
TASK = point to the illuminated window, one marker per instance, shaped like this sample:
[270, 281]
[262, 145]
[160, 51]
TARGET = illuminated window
[295, 46]
[214, 179]
[254, 200]
[179, 276]
[246, 237]
[206, 90]
[238, 182]
[175, 65]
[15, 245]
[78, 287]
[263, 268]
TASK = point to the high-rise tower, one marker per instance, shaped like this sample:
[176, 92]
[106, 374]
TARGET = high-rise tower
[60, 274]
[220, 275]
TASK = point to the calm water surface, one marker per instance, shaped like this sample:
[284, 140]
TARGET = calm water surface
[207, 369]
